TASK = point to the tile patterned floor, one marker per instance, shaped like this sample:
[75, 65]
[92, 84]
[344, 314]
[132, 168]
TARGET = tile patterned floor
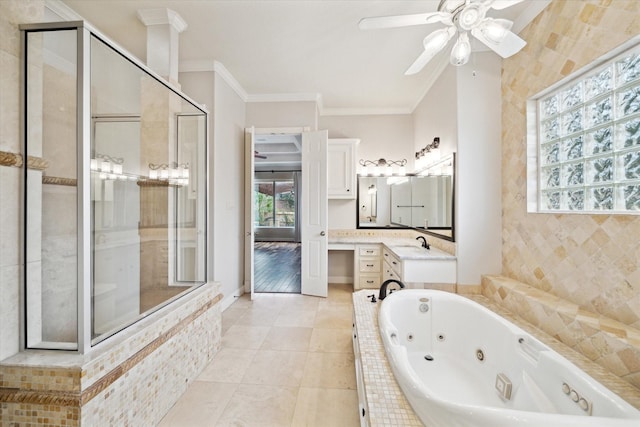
[286, 360]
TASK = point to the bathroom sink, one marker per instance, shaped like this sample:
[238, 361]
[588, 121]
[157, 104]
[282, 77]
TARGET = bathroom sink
[413, 252]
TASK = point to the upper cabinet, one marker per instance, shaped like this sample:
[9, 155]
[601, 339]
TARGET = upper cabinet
[342, 168]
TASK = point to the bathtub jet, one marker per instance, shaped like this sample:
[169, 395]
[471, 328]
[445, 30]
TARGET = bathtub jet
[487, 372]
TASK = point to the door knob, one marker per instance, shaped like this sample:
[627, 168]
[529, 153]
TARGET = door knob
[322, 233]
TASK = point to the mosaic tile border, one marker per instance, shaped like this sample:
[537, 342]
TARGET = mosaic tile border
[609, 343]
[55, 180]
[17, 160]
[387, 405]
[25, 396]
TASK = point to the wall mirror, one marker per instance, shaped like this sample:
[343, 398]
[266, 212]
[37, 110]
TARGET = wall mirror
[424, 201]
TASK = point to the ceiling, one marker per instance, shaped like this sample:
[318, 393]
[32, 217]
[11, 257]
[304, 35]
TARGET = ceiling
[277, 150]
[299, 48]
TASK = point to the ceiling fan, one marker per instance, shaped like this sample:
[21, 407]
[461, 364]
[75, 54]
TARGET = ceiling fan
[459, 16]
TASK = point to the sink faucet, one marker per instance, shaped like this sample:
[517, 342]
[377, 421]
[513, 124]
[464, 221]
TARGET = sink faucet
[383, 288]
[424, 242]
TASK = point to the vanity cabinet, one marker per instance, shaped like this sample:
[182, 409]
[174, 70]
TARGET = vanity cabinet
[419, 272]
[341, 157]
[367, 267]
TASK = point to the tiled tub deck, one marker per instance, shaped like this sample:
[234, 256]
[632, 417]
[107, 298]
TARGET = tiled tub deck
[387, 405]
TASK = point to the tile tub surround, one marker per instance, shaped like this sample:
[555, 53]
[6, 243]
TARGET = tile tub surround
[387, 405]
[133, 379]
[611, 344]
[385, 396]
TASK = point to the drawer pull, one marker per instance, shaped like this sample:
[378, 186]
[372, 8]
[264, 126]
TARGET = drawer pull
[369, 281]
[369, 265]
[369, 252]
[394, 263]
[386, 254]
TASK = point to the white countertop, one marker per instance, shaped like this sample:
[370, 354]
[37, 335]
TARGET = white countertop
[405, 248]
[417, 252]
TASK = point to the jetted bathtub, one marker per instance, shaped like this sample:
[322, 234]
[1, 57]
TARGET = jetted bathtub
[460, 364]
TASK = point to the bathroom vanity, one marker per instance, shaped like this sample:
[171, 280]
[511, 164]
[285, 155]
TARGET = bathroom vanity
[418, 267]
[377, 258]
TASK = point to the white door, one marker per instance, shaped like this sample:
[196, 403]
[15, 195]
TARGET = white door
[249, 211]
[314, 214]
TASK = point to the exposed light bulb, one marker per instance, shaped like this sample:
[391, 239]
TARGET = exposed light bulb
[495, 30]
[105, 166]
[461, 50]
[438, 39]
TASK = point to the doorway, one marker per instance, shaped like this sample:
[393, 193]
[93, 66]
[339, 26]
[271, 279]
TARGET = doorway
[276, 189]
[273, 151]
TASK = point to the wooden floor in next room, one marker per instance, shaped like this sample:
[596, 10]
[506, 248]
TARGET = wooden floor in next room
[277, 267]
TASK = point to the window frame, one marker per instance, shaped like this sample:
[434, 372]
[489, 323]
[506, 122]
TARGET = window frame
[534, 121]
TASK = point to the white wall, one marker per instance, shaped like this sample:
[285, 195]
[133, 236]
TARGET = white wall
[436, 115]
[226, 182]
[479, 167]
[282, 114]
[381, 136]
[463, 108]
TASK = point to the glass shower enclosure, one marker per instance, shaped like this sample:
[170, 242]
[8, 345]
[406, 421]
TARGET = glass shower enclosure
[115, 188]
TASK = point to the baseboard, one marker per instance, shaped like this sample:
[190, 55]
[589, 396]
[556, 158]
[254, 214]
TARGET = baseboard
[231, 298]
[340, 279]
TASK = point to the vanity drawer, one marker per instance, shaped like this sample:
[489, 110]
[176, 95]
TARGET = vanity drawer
[369, 281]
[369, 265]
[393, 262]
[389, 273]
[372, 251]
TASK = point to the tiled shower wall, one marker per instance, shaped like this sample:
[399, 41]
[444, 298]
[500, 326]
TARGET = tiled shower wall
[12, 13]
[590, 260]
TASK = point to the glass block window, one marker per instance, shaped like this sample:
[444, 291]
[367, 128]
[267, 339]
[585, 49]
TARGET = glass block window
[589, 140]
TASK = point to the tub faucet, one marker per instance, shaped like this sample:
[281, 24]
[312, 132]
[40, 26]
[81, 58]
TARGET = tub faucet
[424, 242]
[383, 288]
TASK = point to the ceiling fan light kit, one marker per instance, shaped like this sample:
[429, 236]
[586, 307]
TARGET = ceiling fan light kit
[460, 17]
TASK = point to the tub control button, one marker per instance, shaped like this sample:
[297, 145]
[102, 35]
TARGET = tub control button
[503, 386]
[583, 404]
[574, 396]
[565, 388]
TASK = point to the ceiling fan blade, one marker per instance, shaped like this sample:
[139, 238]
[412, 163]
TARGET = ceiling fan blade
[381, 22]
[433, 44]
[503, 4]
[420, 62]
[510, 45]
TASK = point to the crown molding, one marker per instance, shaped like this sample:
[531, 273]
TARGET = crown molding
[222, 71]
[62, 10]
[364, 111]
[162, 16]
[284, 97]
